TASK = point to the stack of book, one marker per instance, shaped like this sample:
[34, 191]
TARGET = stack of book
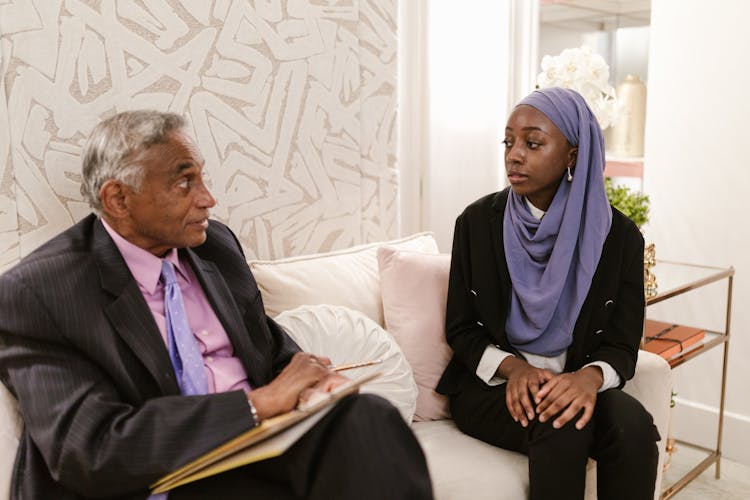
[668, 339]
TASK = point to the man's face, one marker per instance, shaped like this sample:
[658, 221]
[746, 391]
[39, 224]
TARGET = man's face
[172, 206]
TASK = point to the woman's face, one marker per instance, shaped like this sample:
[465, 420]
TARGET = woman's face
[537, 155]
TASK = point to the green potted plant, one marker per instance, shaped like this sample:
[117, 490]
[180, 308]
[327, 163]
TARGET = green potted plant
[633, 204]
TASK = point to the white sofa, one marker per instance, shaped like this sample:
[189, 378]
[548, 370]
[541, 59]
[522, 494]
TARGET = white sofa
[461, 467]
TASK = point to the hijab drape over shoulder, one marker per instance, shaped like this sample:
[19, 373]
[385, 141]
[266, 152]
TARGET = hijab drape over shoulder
[552, 261]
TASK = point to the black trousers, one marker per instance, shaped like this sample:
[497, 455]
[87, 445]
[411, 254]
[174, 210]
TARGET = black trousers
[621, 437]
[362, 449]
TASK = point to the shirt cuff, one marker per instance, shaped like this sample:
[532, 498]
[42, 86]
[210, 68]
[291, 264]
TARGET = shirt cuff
[489, 363]
[610, 378]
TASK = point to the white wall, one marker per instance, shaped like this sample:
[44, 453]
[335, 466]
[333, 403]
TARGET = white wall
[698, 174]
[631, 53]
[412, 112]
[554, 39]
[293, 104]
[468, 85]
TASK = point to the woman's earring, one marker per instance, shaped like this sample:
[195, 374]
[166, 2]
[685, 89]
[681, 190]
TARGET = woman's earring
[570, 175]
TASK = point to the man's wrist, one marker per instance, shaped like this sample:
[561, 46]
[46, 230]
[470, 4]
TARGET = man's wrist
[253, 411]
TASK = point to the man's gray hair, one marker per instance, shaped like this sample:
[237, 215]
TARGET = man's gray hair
[115, 145]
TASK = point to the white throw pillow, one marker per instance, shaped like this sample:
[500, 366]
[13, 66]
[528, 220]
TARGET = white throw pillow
[345, 277]
[347, 336]
[10, 430]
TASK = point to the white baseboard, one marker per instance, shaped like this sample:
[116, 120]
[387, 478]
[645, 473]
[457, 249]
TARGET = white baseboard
[698, 423]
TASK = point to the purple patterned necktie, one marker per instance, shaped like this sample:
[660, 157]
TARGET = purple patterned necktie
[183, 349]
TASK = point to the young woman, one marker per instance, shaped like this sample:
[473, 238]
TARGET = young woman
[545, 311]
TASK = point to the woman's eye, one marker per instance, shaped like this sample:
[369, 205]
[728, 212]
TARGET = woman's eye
[507, 143]
[532, 144]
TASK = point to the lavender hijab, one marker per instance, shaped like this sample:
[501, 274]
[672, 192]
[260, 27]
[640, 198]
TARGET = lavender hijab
[552, 262]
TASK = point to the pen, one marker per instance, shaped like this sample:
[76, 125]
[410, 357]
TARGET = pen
[349, 366]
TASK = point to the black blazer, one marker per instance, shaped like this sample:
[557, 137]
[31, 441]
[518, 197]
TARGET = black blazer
[80, 350]
[610, 323]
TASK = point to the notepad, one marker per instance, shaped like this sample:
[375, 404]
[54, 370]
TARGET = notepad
[269, 439]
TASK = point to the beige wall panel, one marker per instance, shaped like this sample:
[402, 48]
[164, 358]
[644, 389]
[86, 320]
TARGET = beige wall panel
[292, 103]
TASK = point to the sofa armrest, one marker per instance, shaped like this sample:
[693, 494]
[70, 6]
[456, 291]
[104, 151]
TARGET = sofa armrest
[652, 386]
[10, 431]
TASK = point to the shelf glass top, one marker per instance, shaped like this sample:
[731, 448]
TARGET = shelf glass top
[674, 278]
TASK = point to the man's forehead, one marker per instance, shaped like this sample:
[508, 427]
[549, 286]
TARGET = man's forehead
[179, 151]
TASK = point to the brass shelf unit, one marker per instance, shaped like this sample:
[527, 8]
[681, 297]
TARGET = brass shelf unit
[676, 278]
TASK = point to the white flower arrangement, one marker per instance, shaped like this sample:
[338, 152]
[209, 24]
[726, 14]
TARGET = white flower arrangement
[587, 73]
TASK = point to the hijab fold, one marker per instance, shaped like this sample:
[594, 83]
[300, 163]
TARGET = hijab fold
[552, 261]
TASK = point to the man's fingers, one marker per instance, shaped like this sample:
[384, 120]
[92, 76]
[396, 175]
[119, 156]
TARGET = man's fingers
[324, 360]
[330, 382]
[308, 394]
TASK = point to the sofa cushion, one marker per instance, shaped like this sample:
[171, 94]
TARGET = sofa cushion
[464, 467]
[344, 277]
[348, 336]
[414, 288]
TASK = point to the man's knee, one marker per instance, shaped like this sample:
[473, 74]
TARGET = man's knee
[370, 407]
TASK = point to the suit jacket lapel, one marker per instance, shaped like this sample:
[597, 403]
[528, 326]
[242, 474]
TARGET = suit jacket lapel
[497, 213]
[129, 314]
[224, 305]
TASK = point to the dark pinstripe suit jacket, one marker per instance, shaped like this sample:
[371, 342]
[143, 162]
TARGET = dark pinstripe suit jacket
[81, 351]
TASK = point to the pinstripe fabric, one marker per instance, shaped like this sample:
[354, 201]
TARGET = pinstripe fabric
[81, 352]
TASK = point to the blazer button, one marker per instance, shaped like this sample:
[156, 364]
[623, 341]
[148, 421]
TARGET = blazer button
[609, 303]
[480, 323]
[599, 332]
[473, 293]
[588, 356]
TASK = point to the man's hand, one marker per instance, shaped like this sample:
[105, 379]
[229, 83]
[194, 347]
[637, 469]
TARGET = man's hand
[523, 380]
[329, 383]
[303, 372]
[566, 394]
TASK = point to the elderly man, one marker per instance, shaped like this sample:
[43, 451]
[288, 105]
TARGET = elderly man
[136, 340]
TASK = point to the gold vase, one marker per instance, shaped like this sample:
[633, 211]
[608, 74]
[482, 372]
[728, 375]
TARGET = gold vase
[625, 137]
[649, 279]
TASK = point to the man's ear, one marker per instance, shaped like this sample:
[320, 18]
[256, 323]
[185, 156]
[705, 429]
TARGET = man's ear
[113, 196]
[572, 157]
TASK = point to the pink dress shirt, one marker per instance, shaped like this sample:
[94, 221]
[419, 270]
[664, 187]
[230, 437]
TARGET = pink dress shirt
[224, 370]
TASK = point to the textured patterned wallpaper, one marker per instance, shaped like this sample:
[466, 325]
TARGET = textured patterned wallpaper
[292, 102]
